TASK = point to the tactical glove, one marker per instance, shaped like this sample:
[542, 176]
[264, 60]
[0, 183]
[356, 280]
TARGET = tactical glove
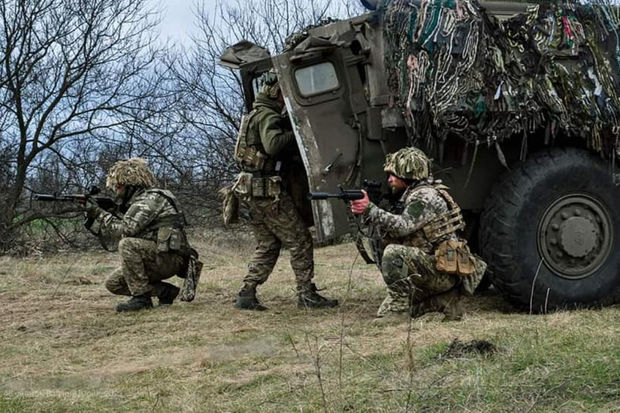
[92, 211]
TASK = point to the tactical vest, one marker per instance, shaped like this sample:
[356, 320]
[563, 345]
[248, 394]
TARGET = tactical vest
[444, 224]
[170, 230]
[438, 229]
[250, 154]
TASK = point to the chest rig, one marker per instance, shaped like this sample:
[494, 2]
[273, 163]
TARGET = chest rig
[447, 223]
[169, 230]
[259, 170]
[249, 152]
[437, 229]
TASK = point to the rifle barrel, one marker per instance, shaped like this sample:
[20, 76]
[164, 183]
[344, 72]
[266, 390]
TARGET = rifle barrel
[346, 194]
[51, 197]
[320, 195]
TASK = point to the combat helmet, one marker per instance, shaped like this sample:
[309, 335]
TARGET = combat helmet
[270, 85]
[134, 171]
[408, 163]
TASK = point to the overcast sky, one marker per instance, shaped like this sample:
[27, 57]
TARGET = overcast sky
[178, 18]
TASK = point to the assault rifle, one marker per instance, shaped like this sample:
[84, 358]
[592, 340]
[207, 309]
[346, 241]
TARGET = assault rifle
[374, 192]
[103, 202]
[347, 194]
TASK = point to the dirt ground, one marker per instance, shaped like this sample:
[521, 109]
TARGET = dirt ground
[65, 349]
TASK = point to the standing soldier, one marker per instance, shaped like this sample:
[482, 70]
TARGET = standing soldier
[267, 155]
[153, 245]
[425, 265]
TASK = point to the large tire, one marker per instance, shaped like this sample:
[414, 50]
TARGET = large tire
[549, 232]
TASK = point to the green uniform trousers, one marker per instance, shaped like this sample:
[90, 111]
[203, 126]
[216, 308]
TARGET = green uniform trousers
[277, 223]
[143, 268]
[410, 273]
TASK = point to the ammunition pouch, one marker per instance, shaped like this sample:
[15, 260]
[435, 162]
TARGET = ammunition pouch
[243, 187]
[469, 283]
[171, 239]
[250, 158]
[260, 187]
[454, 257]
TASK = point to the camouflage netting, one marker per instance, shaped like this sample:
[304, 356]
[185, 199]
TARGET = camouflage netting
[552, 70]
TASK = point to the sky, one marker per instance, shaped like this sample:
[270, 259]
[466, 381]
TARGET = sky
[178, 18]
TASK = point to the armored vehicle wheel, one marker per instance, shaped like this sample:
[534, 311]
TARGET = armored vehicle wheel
[549, 232]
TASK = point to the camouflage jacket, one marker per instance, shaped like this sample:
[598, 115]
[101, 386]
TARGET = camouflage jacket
[268, 129]
[149, 210]
[419, 205]
[272, 134]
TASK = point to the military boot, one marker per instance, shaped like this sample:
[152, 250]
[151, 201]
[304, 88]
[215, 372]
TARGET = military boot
[166, 293]
[309, 298]
[246, 300]
[448, 303]
[135, 303]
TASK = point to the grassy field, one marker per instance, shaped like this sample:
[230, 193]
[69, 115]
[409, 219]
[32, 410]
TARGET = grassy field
[64, 349]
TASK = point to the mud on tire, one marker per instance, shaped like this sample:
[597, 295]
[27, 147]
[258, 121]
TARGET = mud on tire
[550, 230]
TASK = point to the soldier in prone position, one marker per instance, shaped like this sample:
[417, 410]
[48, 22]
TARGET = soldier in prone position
[153, 245]
[268, 157]
[425, 265]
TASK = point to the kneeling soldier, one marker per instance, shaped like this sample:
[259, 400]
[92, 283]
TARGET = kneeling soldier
[153, 245]
[425, 265]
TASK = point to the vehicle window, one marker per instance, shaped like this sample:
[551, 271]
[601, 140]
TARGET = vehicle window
[316, 79]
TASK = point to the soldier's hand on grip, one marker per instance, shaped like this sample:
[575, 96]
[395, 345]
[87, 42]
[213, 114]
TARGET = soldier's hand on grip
[91, 209]
[359, 206]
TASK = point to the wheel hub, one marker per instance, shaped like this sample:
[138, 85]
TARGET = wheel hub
[575, 236]
[578, 236]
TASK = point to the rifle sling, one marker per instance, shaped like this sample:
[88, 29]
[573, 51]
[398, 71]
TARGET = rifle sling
[359, 243]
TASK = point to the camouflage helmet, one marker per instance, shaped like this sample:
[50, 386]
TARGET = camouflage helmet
[134, 171]
[408, 163]
[270, 85]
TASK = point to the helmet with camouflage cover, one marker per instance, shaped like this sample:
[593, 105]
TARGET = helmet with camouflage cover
[270, 85]
[134, 172]
[408, 163]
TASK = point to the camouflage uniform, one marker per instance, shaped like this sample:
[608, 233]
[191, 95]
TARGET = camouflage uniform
[142, 265]
[277, 219]
[408, 263]
[153, 245]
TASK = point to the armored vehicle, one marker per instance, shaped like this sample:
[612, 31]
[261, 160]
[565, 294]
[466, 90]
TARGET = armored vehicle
[517, 103]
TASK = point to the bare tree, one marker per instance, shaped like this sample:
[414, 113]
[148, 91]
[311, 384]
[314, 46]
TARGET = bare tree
[82, 84]
[72, 73]
[213, 100]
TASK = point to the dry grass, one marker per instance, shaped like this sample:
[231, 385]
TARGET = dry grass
[64, 349]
